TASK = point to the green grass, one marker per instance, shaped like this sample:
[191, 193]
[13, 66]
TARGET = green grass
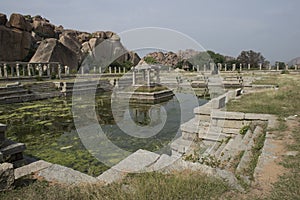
[282, 102]
[185, 185]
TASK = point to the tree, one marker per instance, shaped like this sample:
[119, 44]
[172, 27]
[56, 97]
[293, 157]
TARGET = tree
[150, 60]
[216, 57]
[251, 57]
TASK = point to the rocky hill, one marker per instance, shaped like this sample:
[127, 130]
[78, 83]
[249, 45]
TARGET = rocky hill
[295, 61]
[35, 39]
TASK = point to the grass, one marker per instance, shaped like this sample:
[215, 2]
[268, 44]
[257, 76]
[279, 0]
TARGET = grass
[282, 102]
[184, 185]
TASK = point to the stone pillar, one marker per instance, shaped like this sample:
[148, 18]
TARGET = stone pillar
[109, 70]
[1, 71]
[120, 70]
[94, 69]
[148, 77]
[124, 70]
[48, 70]
[233, 67]
[133, 76]
[249, 66]
[277, 66]
[18, 69]
[241, 66]
[270, 67]
[59, 70]
[169, 69]
[286, 67]
[225, 68]
[82, 70]
[5, 70]
[100, 70]
[296, 67]
[260, 66]
[212, 66]
[40, 70]
[66, 70]
[198, 68]
[204, 67]
[28, 69]
[115, 70]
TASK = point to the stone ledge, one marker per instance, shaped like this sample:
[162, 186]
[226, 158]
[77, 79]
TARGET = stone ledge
[65, 175]
[31, 168]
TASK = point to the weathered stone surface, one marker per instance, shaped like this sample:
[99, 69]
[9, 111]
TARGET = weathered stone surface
[18, 21]
[3, 19]
[73, 44]
[43, 28]
[61, 174]
[15, 44]
[31, 168]
[6, 176]
[83, 37]
[51, 50]
[139, 161]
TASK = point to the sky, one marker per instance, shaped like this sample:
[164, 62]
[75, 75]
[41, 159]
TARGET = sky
[271, 27]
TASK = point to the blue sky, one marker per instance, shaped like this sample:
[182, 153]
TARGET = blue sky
[228, 27]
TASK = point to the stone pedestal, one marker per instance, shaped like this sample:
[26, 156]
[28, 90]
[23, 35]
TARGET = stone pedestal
[249, 66]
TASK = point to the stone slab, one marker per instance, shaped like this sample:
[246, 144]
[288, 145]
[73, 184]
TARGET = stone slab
[65, 175]
[6, 176]
[31, 168]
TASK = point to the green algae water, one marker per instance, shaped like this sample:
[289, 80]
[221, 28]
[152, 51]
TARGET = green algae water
[47, 128]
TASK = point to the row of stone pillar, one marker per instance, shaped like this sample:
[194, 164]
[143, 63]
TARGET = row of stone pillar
[111, 70]
[31, 69]
[234, 67]
[146, 76]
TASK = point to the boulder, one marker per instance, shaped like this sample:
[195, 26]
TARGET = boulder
[3, 19]
[7, 177]
[73, 44]
[133, 57]
[43, 28]
[51, 50]
[18, 21]
[91, 44]
[99, 34]
[109, 34]
[15, 44]
[84, 37]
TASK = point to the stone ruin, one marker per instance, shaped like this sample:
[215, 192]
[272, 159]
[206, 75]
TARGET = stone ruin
[11, 156]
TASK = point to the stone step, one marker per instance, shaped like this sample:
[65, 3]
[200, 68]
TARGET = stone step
[10, 148]
[218, 152]
[20, 91]
[181, 145]
[213, 136]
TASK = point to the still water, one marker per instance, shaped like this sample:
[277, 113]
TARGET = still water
[48, 130]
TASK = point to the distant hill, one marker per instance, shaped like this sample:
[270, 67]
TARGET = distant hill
[295, 61]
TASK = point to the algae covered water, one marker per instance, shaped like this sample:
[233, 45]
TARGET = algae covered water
[47, 128]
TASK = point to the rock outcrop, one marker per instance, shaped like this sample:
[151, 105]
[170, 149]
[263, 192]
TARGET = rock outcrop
[35, 39]
[51, 50]
[15, 44]
[168, 59]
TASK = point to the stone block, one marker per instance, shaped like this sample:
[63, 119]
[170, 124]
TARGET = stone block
[31, 168]
[7, 177]
[218, 102]
[236, 124]
[65, 175]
